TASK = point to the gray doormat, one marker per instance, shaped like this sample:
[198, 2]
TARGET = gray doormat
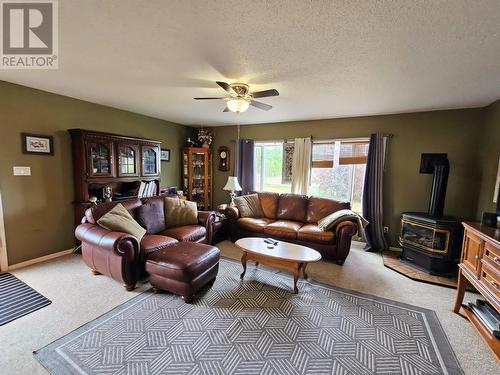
[18, 299]
[256, 327]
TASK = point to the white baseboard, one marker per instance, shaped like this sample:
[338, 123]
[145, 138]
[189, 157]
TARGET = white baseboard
[38, 260]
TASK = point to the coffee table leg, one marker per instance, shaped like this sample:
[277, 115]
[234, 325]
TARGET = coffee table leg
[304, 265]
[296, 274]
[244, 264]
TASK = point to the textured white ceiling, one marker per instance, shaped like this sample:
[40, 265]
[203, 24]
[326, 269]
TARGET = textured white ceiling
[326, 58]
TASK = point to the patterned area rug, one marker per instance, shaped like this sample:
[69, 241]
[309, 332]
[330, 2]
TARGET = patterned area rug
[256, 327]
[18, 299]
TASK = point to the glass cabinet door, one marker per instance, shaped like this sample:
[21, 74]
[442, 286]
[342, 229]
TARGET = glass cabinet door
[150, 161]
[128, 156]
[196, 176]
[100, 157]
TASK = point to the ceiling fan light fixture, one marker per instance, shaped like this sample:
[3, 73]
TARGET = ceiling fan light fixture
[238, 105]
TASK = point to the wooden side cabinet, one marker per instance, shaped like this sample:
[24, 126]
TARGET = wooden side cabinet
[480, 267]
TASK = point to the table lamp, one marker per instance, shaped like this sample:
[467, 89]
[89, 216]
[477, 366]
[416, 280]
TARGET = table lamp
[232, 185]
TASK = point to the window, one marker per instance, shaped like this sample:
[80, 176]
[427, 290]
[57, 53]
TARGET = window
[270, 174]
[338, 170]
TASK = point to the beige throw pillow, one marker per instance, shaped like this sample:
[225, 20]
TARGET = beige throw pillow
[179, 212]
[330, 222]
[118, 219]
[249, 206]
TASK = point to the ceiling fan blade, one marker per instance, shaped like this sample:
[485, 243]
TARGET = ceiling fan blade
[265, 93]
[226, 110]
[226, 87]
[265, 107]
[208, 98]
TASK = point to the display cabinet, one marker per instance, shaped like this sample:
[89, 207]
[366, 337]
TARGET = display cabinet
[197, 175]
[111, 162]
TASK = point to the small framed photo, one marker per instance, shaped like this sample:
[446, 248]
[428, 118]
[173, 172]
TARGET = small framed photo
[37, 144]
[165, 154]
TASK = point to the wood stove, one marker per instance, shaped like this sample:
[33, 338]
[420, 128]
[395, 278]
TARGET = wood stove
[430, 240]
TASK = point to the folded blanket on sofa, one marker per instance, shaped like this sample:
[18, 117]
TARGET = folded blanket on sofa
[331, 221]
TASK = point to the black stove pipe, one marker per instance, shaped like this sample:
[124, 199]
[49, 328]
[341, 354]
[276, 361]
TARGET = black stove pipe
[439, 166]
[438, 191]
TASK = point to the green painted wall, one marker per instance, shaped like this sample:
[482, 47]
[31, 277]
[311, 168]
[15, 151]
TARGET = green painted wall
[489, 149]
[456, 132]
[37, 209]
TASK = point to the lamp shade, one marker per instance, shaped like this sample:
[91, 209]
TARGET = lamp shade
[232, 184]
[238, 105]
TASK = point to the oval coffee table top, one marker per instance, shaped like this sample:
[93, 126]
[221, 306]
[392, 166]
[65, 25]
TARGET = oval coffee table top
[284, 250]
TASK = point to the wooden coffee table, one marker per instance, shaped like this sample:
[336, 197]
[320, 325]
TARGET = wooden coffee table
[285, 256]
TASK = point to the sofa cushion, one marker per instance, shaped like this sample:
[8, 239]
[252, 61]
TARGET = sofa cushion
[253, 224]
[152, 242]
[94, 213]
[190, 233]
[269, 203]
[151, 216]
[249, 206]
[292, 207]
[318, 208]
[313, 233]
[179, 212]
[118, 219]
[283, 229]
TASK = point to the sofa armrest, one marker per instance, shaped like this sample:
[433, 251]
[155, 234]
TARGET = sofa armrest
[207, 219]
[232, 213]
[343, 235]
[122, 244]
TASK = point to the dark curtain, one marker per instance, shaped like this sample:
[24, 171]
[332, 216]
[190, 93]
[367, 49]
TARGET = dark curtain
[244, 164]
[373, 194]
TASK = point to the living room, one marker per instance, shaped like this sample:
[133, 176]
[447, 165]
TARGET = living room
[325, 114]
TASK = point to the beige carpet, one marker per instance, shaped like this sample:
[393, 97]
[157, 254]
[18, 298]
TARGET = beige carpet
[78, 297]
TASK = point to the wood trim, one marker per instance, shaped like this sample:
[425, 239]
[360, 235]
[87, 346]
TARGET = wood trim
[322, 164]
[4, 262]
[39, 260]
[353, 160]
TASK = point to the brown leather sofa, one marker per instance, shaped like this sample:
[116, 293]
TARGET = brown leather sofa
[294, 218]
[119, 255]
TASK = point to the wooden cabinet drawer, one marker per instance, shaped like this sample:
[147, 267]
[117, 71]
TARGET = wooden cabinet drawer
[492, 256]
[491, 279]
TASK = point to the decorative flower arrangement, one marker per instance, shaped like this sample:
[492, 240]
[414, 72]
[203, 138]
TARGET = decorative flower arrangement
[205, 137]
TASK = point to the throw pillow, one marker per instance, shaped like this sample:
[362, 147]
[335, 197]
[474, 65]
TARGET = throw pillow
[119, 219]
[152, 217]
[249, 206]
[329, 222]
[179, 212]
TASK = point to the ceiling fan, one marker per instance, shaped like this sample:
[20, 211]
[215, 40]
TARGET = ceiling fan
[239, 97]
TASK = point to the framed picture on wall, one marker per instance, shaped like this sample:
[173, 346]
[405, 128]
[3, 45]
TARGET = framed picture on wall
[37, 144]
[165, 154]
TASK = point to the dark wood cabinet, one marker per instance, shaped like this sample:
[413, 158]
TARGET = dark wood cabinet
[118, 162]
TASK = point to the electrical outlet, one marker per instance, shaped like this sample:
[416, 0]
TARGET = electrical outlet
[386, 229]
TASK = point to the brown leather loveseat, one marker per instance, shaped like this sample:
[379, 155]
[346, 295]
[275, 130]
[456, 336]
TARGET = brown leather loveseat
[118, 255]
[294, 218]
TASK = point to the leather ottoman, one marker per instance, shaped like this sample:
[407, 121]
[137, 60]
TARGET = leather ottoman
[183, 268]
